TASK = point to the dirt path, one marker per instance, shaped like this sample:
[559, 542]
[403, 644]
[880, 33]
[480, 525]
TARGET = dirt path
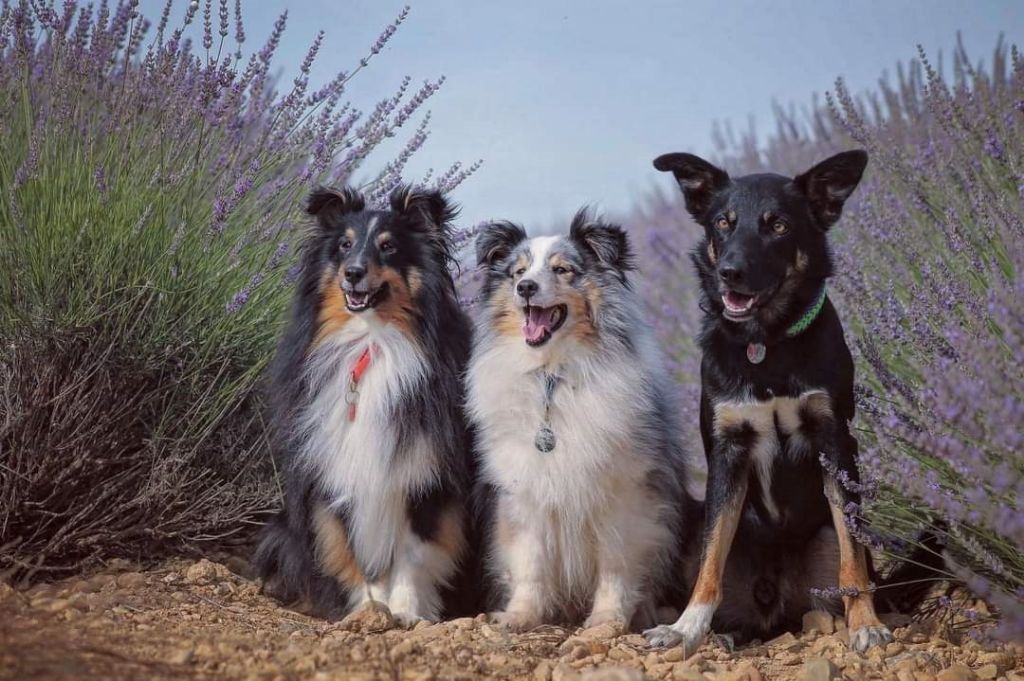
[201, 620]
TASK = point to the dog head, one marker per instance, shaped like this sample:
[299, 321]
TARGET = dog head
[552, 287]
[765, 234]
[376, 262]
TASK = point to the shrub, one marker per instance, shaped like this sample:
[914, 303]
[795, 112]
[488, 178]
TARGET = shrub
[930, 272]
[149, 214]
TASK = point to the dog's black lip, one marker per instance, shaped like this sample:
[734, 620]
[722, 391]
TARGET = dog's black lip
[563, 313]
[374, 298]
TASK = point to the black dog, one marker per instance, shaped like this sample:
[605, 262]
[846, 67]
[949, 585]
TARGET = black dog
[367, 403]
[776, 381]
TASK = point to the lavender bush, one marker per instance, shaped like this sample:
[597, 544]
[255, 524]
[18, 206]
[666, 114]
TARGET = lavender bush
[151, 194]
[930, 275]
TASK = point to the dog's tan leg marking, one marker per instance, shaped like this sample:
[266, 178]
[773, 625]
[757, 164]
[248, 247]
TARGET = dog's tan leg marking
[853, 567]
[708, 589]
[333, 552]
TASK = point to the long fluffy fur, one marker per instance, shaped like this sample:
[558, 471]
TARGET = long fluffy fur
[593, 525]
[374, 507]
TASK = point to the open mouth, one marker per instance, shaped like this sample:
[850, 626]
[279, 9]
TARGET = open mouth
[542, 322]
[739, 306]
[358, 301]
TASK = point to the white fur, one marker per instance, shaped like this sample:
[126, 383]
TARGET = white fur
[762, 416]
[585, 525]
[689, 630]
[358, 465]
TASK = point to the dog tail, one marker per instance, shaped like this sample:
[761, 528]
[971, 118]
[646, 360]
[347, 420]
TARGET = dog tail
[909, 582]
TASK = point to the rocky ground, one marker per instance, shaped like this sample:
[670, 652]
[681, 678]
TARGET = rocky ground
[206, 620]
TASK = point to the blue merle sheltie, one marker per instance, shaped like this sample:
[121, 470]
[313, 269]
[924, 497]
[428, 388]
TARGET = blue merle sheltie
[579, 451]
[776, 396]
[367, 403]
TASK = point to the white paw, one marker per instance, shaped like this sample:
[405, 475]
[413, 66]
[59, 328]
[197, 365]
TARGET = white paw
[663, 636]
[516, 620]
[869, 636]
[599, 617]
[407, 620]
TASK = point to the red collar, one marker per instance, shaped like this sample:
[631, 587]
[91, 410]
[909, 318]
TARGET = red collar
[360, 367]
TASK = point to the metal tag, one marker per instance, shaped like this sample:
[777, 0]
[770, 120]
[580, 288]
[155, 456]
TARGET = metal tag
[756, 353]
[544, 440]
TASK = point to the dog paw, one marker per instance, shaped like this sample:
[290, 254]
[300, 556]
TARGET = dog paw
[726, 642]
[408, 620]
[599, 617]
[868, 637]
[516, 620]
[663, 636]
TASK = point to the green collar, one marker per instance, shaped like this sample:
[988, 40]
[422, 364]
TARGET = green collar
[800, 325]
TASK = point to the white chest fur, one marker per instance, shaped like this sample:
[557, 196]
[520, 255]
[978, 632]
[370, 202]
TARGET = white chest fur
[356, 460]
[769, 418]
[590, 405]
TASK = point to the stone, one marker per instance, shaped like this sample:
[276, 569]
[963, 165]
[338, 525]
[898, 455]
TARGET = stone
[818, 669]
[130, 579]
[603, 631]
[674, 654]
[402, 649]
[987, 672]
[957, 672]
[372, 618]
[818, 620]
[612, 674]
[542, 672]
[201, 572]
[183, 656]
[786, 639]
[1003, 661]
[564, 672]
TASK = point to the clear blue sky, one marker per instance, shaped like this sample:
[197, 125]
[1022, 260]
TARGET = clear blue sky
[568, 102]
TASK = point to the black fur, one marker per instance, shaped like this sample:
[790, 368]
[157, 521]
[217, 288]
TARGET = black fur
[770, 231]
[419, 224]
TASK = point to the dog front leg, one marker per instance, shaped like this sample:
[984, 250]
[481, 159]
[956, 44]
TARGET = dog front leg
[727, 489]
[519, 550]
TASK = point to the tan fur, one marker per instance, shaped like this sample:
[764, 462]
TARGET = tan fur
[712, 256]
[802, 261]
[382, 237]
[333, 551]
[509, 319]
[853, 567]
[415, 279]
[580, 310]
[333, 314]
[450, 536]
[708, 589]
[398, 307]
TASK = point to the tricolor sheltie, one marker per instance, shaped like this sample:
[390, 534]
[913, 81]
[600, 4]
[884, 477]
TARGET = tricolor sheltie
[579, 451]
[367, 402]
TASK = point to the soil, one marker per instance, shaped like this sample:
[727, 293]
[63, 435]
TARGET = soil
[208, 620]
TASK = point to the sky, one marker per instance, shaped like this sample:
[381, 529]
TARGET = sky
[567, 102]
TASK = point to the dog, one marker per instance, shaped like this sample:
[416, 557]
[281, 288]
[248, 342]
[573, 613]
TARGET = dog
[366, 397]
[579, 452]
[776, 382]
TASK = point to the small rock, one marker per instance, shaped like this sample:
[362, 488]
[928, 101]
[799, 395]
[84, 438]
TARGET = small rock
[818, 669]
[674, 654]
[618, 653]
[787, 658]
[131, 579]
[183, 656]
[201, 572]
[404, 648]
[1003, 661]
[604, 631]
[612, 674]
[54, 605]
[542, 672]
[681, 673]
[818, 620]
[372, 618]
[785, 640]
[957, 672]
[564, 672]
[988, 671]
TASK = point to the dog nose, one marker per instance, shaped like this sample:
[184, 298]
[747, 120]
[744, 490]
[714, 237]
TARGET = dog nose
[355, 273]
[526, 288]
[730, 274]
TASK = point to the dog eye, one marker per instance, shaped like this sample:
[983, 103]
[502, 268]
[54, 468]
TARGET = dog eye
[780, 228]
[722, 224]
[561, 270]
[520, 272]
[387, 247]
[346, 244]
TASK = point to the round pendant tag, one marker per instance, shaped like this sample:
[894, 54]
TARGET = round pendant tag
[756, 353]
[544, 440]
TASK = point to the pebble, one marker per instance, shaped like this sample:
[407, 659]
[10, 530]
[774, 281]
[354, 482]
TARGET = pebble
[201, 572]
[818, 669]
[988, 671]
[372, 618]
[183, 656]
[957, 672]
[612, 674]
[127, 580]
[818, 620]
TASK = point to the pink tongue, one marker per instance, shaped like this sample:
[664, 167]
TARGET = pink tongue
[538, 320]
[737, 299]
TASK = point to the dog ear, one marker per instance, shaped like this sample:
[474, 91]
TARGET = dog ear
[608, 243]
[828, 184]
[429, 203]
[698, 179]
[496, 240]
[345, 200]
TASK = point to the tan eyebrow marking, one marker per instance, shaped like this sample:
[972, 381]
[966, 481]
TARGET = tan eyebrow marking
[382, 237]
